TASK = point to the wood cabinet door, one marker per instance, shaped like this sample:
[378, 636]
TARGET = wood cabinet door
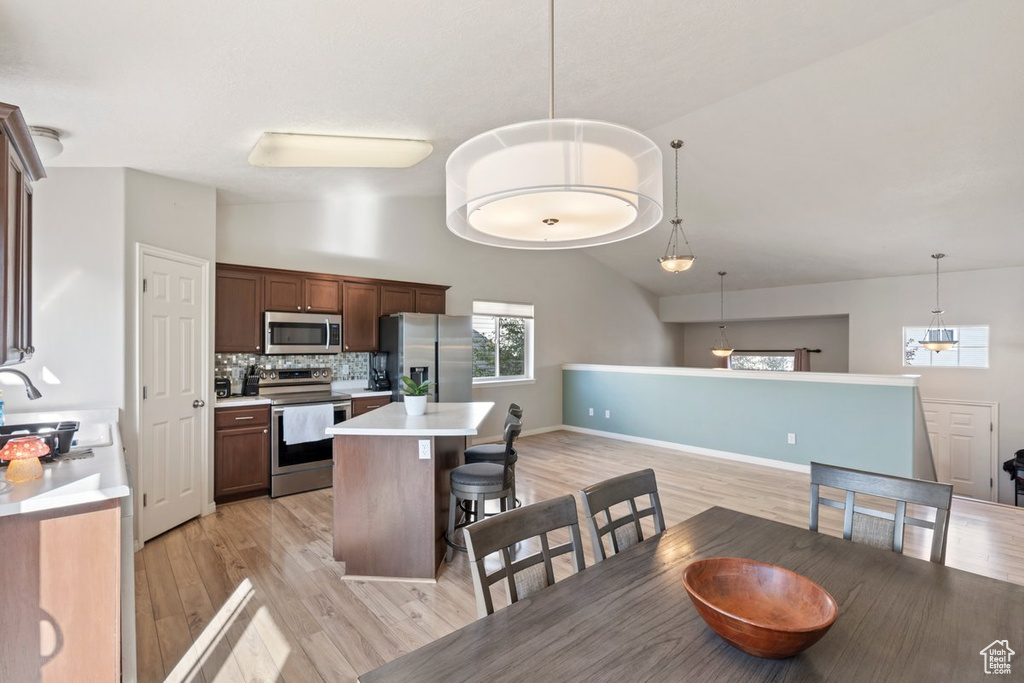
[11, 213]
[361, 406]
[397, 299]
[239, 324]
[362, 310]
[241, 461]
[282, 292]
[430, 300]
[24, 321]
[322, 295]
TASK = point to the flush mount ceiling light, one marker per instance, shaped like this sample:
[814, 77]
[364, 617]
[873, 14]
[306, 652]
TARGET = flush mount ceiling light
[47, 142]
[938, 337]
[554, 183]
[672, 261]
[295, 150]
[722, 347]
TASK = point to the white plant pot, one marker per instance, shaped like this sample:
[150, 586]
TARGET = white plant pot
[415, 405]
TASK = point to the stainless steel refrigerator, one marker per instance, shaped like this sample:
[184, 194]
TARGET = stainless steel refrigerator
[424, 346]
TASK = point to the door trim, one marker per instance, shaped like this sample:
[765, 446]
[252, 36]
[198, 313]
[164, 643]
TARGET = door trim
[206, 483]
[993, 442]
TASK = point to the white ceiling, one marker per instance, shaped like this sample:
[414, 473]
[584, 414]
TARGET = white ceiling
[825, 139]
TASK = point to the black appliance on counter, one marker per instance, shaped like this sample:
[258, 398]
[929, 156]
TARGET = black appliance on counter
[379, 372]
[1015, 467]
[221, 387]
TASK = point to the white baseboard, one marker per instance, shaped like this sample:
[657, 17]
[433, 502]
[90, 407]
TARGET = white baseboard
[210, 509]
[138, 545]
[526, 432]
[696, 450]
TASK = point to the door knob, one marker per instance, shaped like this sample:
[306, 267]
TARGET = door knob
[198, 403]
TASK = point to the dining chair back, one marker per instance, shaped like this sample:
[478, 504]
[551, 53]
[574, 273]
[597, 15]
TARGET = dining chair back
[523, 576]
[880, 528]
[626, 530]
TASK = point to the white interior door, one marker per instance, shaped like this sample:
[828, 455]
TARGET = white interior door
[173, 414]
[961, 437]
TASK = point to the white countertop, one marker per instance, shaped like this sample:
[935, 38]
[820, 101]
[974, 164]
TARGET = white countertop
[241, 402]
[356, 388]
[441, 419]
[72, 482]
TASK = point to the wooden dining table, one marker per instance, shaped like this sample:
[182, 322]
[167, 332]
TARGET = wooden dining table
[629, 618]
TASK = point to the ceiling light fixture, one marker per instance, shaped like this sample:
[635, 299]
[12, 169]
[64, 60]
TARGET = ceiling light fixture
[47, 142]
[722, 347]
[298, 150]
[672, 261]
[938, 337]
[554, 183]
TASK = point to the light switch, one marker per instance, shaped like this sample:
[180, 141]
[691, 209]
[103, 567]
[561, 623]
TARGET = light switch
[424, 449]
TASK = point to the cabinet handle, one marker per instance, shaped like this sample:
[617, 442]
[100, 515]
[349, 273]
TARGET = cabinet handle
[298, 308]
[309, 308]
[247, 417]
[264, 431]
[257, 347]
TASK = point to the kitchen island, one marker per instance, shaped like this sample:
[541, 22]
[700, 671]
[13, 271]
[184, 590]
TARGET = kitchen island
[391, 487]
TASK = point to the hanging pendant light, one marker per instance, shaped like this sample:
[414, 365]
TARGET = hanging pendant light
[554, 183]
[938, 337]
[672, 261]
[722, 347]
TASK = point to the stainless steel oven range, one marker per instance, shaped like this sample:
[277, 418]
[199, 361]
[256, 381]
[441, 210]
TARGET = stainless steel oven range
[302, 406]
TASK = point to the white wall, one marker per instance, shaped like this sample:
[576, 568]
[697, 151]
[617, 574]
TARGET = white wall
[181, 217]
[831, 335]
[78, 293]
[878, 311]
[585, 312]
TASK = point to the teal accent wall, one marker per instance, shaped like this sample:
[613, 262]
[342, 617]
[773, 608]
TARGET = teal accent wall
[866, 427]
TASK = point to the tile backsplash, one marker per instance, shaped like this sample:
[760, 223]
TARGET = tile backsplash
[344, 366]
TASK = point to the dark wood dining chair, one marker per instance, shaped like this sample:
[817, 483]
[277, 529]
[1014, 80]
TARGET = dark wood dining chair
[624, 531]
[880, 528]
[523, 576]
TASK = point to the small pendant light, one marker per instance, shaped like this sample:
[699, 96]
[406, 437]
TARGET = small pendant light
[672, 261]
[722, 347]
[938, 337]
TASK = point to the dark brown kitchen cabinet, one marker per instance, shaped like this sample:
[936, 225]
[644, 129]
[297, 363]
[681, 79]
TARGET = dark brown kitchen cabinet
[359, 323]
[430, 300]
[295, 293]
[282, 292]
[241, 456]
[19, 168]
[239, 320]
[322, 294]
[397, 299]
[361, 406]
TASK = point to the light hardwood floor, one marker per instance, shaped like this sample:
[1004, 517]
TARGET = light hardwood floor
[252, 592]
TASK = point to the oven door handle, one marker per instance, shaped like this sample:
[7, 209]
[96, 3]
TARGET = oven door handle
[344, 405]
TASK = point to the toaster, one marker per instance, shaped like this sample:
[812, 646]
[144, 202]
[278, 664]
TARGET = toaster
[222, 387]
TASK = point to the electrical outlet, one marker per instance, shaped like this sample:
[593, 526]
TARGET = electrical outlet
[791, 438]
[591, 412]
[607, 413]
[424, 449]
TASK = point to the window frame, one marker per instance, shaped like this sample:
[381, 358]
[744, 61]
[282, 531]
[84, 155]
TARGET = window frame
[958, 336]
[499, 310]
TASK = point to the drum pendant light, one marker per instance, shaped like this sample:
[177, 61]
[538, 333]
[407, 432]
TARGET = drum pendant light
[554, 183]
[672, 261]
[938, 337]
[722, 347]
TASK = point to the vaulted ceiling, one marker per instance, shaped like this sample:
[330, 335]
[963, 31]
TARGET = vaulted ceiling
[825, 139]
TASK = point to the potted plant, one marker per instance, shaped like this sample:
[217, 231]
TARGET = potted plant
[415, 396]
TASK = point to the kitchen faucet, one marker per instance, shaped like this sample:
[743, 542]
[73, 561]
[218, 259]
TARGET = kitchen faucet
[30, 389]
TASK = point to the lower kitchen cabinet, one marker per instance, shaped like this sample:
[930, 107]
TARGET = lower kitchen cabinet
[241, 456]
[364, 405]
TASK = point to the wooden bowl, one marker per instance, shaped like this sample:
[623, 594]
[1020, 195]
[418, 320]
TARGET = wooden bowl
[762, 609]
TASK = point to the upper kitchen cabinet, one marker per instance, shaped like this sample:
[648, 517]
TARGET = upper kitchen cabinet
[295, 292]
[395, 298]
[20, 166]
[239, 320]
[359, 323]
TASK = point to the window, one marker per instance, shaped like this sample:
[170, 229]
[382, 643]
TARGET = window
[778, 362]
[502, 341]
[971, 350]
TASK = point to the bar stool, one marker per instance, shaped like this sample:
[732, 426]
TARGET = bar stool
[494, 452]
[479, 482]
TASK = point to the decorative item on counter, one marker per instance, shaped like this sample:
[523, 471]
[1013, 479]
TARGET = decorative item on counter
[24, 453]
[415, 396]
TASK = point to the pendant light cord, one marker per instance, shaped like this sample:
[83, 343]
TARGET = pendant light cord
[721, 289]
[937, 283]
[672, 248]
[551, 60]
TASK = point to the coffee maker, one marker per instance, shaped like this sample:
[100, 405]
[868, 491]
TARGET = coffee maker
[379, 372]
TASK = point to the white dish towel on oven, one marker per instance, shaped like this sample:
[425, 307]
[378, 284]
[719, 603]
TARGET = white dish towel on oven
[307, 423]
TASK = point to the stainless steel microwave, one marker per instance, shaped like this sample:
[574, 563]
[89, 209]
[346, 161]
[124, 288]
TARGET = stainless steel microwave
[301, 333]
